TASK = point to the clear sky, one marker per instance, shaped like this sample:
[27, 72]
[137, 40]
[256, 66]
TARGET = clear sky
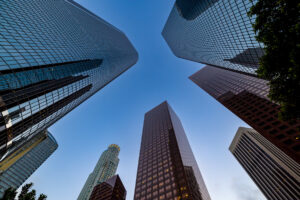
[115, 114]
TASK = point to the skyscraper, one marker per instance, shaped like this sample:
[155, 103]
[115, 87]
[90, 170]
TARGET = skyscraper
[214, 32]
[246, 96]
[53, 56]
[105, 168]
[111, 189]
[16, 168]
[275, 173]
[167, 168]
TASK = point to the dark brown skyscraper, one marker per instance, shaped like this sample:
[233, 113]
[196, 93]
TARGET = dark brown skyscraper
[275, 173]
[167, 167]
[246, 96]
[111, 189]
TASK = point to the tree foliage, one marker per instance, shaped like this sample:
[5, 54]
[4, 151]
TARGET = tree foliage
[26, 194]
[277, 26]
[9, 194]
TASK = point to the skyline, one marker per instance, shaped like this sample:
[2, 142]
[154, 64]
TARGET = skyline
[114, 114]
[161, 76]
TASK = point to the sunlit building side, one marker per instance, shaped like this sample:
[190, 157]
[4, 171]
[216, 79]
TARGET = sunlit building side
[275, 173]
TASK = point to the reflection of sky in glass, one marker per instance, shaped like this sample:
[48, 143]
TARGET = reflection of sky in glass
[42, 102]
[20, 170]
[219, 33]
[55, 42]
[24, 77]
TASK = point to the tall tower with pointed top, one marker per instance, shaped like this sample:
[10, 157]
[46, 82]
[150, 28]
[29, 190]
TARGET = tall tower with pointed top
[105, 168]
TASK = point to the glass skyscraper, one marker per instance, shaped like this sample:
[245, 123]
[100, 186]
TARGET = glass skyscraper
[16, 168]
[167, 167]
[246, 96]
[105, 168]
[275, 173]
[214, 32]
[53, 56]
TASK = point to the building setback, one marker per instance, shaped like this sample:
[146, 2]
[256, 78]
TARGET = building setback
[105, 168]
[214, 32]
[275, 173]
[18, 167]
[53, 56]
[246, 96]
[111, 189]
[167, 168]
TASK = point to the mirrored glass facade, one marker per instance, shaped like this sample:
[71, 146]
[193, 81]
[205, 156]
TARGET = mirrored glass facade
[275, 173]
[105, 168]
[53, 56]
[18, 167]
[167, 168]
[214, 32]
[247, 97]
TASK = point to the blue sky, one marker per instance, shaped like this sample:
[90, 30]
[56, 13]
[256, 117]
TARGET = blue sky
[115, 114]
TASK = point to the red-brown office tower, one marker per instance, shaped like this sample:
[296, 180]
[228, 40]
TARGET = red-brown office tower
[167, 168]
[246, 96]
[111, 189]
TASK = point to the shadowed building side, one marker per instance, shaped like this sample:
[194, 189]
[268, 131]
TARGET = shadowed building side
[191, 9]
[111, 189]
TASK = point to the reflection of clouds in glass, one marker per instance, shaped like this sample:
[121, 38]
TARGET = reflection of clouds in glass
[244, 191]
